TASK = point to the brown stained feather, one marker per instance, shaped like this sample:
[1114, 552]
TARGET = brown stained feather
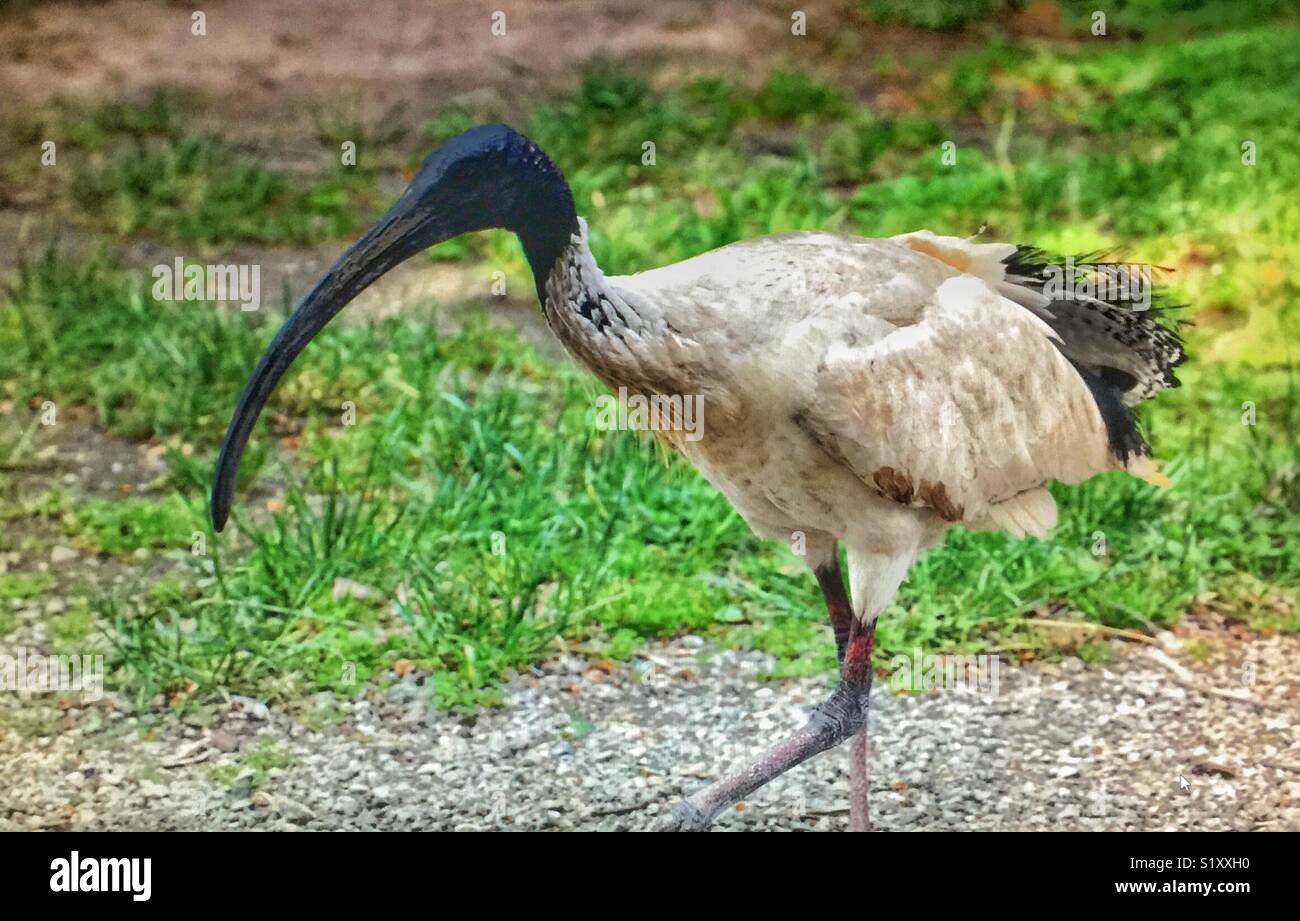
[935, 495]
[897, 487]
[894, 485]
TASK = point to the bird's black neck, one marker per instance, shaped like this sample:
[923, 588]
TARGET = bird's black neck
[541, 213]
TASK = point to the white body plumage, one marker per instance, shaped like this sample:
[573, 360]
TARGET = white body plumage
[873, 392]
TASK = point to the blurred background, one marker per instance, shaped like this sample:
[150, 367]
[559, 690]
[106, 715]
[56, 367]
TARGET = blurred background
[132, 135]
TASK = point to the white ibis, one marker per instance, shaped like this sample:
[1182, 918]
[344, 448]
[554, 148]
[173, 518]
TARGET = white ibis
[870, 393]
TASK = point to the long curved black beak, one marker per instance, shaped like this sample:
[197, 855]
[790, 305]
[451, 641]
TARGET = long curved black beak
[486, 177]
[399, 234]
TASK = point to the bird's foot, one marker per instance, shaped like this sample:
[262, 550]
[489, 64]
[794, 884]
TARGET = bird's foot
[841, 716]
[837, 718]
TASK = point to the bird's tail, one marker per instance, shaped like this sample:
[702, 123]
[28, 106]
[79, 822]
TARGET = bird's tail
[1112, 322]
[1109, 319]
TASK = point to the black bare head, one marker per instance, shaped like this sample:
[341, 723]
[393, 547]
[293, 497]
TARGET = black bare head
[488, 177]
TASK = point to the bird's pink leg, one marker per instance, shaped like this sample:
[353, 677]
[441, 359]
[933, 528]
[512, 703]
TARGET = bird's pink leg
[859, 806]
[840, 610]
[839, 717]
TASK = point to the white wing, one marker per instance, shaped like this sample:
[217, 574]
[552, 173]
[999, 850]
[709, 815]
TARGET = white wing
[903, 359]
[967, 409]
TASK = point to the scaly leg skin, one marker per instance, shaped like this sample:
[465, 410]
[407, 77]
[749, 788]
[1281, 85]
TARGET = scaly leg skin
[859, 808]
[840, 610]
[838, 718]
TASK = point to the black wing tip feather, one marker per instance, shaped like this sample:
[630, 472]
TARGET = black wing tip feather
[1158, 323]
[1160, 319]
[1032, 262]
[1123, 437]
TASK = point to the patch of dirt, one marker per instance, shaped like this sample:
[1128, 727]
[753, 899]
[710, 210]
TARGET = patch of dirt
[261, 60]
[81, 461]
[260, 57]
[73, 454]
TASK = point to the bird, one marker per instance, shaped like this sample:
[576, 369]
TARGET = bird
[858, 395]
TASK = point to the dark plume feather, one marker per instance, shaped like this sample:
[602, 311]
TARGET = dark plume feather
[1125, 351]
[1133, 348]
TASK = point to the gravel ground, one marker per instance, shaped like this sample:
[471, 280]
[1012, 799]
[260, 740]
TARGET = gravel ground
[1060, 746]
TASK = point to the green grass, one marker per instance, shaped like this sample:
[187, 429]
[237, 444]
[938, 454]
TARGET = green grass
[23, 585]
[54, 344]
[938, 14]
[466, 438]
[145, 168]
[192, 189]
[260, 760]
[72, 626]
[120, 527]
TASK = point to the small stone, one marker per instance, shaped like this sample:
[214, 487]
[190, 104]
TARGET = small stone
[243, 783]
[252, 708]
[294, 811]
[223, 741]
